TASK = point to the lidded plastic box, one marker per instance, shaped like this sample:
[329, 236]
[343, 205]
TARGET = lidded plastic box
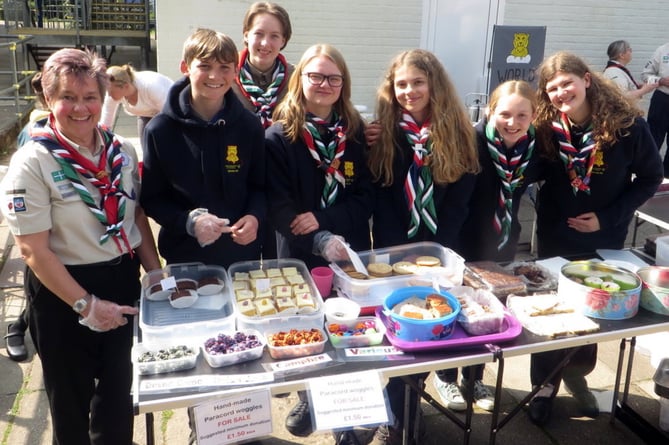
[306, 317]
[370, 293]
[209, 315]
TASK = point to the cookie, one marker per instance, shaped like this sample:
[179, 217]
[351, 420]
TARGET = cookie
[379, 270]
[427, 260]
[404, 268]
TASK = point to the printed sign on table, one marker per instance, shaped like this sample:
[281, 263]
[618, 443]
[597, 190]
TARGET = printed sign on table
[348, 400]
[233, 419]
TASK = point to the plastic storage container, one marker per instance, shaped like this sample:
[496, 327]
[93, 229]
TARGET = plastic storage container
[413, 329]
[371, 293]
[280, 352]
[184, 357]
[361, 332]
[210, 314]
[481, 311]
[230, 358]
[280, 320]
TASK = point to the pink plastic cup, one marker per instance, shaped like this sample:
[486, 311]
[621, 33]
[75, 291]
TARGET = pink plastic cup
[323, 278]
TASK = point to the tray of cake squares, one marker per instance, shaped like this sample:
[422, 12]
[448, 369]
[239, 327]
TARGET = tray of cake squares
[274, 295]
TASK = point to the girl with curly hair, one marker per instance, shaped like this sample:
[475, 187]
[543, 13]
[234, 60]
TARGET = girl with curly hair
[604, 166]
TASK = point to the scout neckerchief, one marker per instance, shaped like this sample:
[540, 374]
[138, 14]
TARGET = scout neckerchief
[510, 164]
[418, 186]
[326, 153]
[613, 63]
[579, 157]
[263, 101]
[110, 212]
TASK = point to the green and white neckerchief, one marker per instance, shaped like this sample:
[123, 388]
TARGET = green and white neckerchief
[578, 156]
[327, 153]
[106, 177]
[510, 165]
[265, 101]
[418, 185]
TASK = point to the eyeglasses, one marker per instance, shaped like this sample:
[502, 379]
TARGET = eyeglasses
[334, 80]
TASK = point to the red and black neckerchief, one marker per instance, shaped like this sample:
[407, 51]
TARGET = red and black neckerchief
[613, 63]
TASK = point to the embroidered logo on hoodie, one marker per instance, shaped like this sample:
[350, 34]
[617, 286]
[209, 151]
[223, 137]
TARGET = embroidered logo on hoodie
[232, 160]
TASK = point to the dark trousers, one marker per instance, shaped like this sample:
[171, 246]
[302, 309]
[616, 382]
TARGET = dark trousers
[87, 375]
[581, 364]
[396, 399]
[468, 372]
[658, 121]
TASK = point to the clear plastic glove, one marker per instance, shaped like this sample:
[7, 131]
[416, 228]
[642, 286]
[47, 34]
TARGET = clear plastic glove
[208, 228]
[330, 246]
[104, 315]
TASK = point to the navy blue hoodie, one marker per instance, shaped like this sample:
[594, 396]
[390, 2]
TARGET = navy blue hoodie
[217, 165]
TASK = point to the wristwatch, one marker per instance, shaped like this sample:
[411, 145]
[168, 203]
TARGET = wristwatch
[81, 304]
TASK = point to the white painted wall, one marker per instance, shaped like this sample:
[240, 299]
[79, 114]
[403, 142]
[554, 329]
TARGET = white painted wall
[370, 32]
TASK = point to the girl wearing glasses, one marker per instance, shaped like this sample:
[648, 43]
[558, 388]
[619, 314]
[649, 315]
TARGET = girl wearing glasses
[423, 163]
[318, 183]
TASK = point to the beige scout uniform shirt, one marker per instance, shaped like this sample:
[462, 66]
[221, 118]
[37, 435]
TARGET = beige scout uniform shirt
[36, 196]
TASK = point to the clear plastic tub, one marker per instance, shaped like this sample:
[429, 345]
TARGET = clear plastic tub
[481, 311]
[370, 293]
[231, 358]
[181, 361]
[288, 319]
[292, 351]
[160, 322]
[357, 334]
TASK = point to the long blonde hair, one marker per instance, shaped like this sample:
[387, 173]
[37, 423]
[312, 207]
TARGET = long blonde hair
[612, 113]
[291, 111]
[453, 140]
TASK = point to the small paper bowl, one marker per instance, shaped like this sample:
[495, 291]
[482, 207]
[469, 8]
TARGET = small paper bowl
[218, 360]
[209, 286]
[157, 293]
[341, 310]
[293, 351]
[183, 301]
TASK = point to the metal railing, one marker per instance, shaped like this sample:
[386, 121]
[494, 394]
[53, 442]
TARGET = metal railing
[18, 95]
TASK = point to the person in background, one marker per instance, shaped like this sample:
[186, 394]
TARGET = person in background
[620, 55]
[604, 165]
[264, 73]
[318, 184]
[71, 203]
[423, 162]
[657, 70]
[142, 94]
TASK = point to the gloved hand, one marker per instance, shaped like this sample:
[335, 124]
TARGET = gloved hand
[104, 315]
[330, 246]
[208, 228]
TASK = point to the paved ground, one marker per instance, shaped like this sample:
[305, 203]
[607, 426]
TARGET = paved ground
[24, 414]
